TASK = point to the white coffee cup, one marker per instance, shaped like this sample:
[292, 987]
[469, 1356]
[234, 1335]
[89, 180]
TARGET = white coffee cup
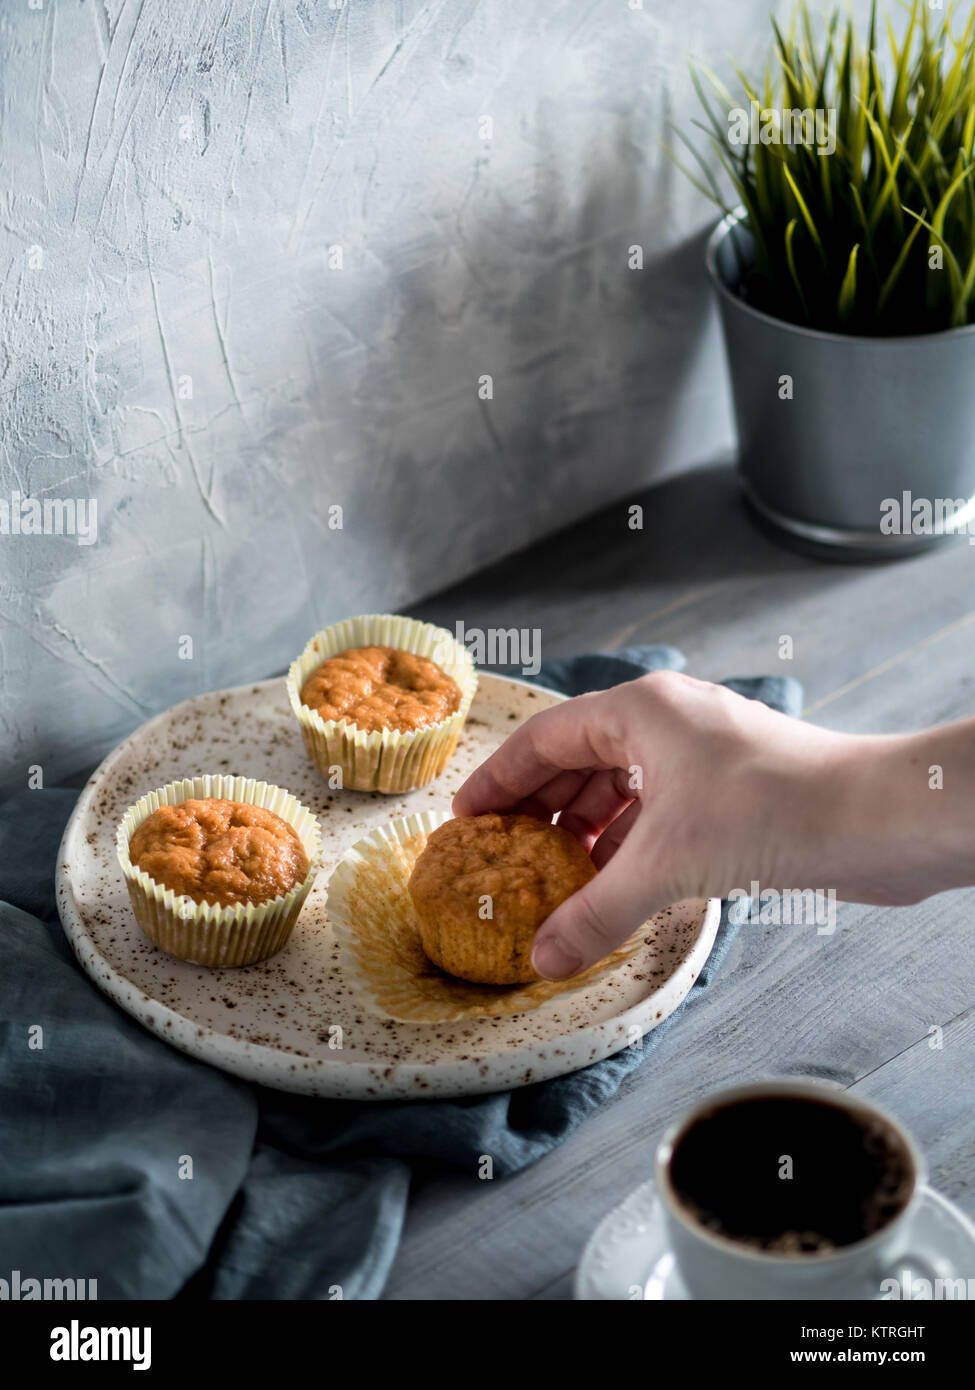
[716, 1266]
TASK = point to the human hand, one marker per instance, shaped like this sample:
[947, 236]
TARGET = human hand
[684, 789]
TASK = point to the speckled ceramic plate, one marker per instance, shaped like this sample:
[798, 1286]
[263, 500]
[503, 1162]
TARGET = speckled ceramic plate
[293, 1021]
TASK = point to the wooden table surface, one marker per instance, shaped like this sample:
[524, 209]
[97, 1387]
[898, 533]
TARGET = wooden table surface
[878, 648]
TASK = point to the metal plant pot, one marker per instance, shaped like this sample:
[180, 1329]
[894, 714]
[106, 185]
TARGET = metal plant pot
[869, 419]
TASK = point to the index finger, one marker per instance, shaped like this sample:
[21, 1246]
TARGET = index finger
[572, 735]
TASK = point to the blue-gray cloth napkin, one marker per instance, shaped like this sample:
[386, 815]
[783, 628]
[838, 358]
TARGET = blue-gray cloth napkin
[290, 1197]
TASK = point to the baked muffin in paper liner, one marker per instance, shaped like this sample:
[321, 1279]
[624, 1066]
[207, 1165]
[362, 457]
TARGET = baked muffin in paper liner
[374, 920]
[382, 760]
[210, 933]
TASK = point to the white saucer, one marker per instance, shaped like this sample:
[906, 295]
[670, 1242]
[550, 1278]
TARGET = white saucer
[627, 1256]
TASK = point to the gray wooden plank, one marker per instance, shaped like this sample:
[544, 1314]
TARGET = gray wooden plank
[701, 577]
[930, 682]
[919, 1085]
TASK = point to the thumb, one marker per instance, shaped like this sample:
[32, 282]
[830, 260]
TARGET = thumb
[593, 922]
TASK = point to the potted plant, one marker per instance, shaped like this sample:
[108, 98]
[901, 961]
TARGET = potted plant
[846, 281]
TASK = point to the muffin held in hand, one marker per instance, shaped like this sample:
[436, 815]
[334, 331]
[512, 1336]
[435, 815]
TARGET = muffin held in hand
[484, 885]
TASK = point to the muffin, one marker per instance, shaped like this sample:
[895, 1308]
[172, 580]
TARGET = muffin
[484, 885]
[388, 973]
[381, 701]
[218, 868]
[378, 688]
[218, 851]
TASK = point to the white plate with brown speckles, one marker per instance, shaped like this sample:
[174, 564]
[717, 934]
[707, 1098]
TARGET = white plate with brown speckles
[280, 1022]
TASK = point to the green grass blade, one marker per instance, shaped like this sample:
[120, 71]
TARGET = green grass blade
[848, 289]
[806, 215]
[887, 288]
[790, 232]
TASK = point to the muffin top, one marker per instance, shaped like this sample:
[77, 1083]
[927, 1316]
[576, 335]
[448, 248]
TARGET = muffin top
[527, 867]
[217, 851]
[378, 688]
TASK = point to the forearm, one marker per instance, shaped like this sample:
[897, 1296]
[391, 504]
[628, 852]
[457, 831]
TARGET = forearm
[901, 814]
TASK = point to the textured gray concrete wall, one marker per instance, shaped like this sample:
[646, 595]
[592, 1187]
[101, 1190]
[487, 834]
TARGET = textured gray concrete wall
[255, 260]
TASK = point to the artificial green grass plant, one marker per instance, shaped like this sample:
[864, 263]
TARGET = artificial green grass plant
[876, 237]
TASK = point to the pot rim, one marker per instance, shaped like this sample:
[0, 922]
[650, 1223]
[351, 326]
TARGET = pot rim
[738, 216]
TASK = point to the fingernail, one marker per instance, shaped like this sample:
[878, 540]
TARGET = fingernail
[552, 960]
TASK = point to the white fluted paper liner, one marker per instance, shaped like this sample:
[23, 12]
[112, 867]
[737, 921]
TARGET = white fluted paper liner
[375, 923]
[208, 933]
[382, 760]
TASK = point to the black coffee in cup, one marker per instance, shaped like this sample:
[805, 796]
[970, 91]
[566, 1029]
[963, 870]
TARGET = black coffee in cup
[791, 1175]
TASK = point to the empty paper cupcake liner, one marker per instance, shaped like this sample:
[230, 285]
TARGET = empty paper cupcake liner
[382, 760]
[374, 920]
[208, 933]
